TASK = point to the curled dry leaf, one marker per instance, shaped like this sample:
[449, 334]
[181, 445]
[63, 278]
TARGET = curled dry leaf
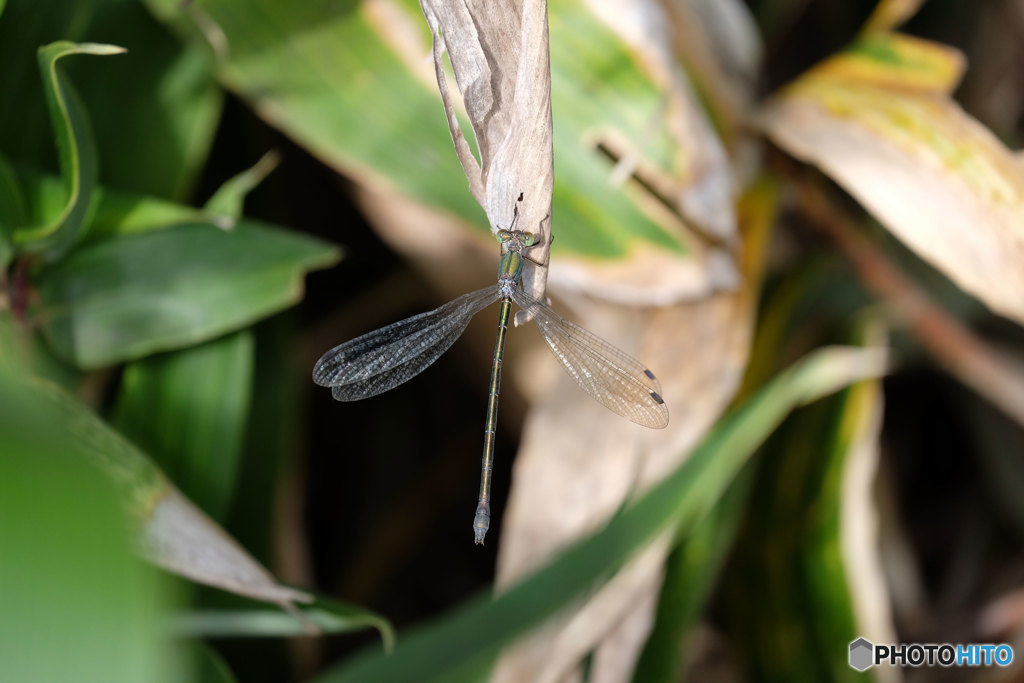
[650, 242]
[879, 120]
[500, 61]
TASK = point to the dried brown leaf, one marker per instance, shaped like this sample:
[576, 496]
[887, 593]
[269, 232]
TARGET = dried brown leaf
[879, 120]
[500, 61]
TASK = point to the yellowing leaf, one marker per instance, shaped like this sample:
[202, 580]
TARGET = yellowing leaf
[879, 120]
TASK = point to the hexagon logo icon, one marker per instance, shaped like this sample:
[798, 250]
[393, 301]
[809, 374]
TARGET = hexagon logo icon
[861, 654]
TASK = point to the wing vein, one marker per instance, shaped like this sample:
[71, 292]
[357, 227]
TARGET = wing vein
[384, 358]
[615, 379]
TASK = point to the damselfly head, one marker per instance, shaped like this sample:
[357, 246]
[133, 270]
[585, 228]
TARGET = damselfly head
[516, 240]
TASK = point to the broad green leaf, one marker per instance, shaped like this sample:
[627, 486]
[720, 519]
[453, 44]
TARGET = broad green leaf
[879, 119]
[130, 296]
[76, 149]
[153, 112]
[172, 531]
[112, 212]
[188, 410]
[330, 616]
[272, 440]
[596, 84]
[357, 93]
[340, 91]
[465, 641]
[77, 605]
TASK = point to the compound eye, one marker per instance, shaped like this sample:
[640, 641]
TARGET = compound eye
[528, 239]
[503, 236]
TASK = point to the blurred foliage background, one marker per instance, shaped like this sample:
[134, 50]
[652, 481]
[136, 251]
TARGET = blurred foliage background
[199, 198]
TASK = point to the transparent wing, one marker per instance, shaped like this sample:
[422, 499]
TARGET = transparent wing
[383, 359]
[615, 379]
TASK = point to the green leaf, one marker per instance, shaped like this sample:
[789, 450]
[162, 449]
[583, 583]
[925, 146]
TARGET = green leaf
[75, 147]
[338, 91]
[790, 557]
[272, 440]
[691, 572]
[188, 409]
[77, 605]
[462, 643]
[330, 616]
[205, 664]
[139, 481]
[228, 199]
[112, 212]
[153, 112]
[131, 296]
[172, 531]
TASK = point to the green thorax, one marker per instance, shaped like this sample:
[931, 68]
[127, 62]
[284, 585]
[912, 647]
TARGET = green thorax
[510, 269]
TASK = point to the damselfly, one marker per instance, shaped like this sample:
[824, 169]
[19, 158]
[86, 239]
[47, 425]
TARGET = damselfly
[383, 359]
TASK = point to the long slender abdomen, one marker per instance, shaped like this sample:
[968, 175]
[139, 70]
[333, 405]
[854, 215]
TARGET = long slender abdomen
[482, 519]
